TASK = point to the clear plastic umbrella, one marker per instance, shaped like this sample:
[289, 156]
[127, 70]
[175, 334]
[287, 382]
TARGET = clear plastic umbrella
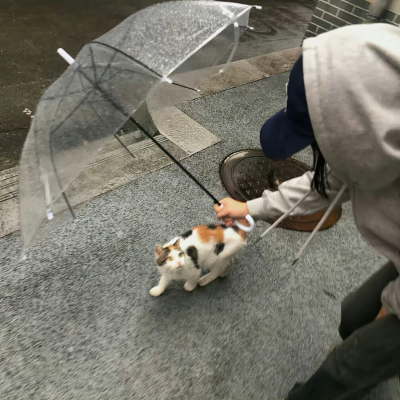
[155, 58]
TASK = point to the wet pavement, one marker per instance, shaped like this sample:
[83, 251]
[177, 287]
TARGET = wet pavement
[31, 32]
[77, 321]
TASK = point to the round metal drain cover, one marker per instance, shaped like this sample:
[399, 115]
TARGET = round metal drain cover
[245, 173]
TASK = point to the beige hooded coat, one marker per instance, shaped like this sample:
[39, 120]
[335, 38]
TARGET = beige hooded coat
[352, 81]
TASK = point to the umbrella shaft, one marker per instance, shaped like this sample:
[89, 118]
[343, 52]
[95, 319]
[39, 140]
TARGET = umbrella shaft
[176, 162]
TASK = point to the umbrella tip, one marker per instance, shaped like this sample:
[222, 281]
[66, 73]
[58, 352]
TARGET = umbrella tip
[65, 56]
[258, 7]
[166, 79]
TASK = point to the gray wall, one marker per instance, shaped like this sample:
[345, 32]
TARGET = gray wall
[331, 14]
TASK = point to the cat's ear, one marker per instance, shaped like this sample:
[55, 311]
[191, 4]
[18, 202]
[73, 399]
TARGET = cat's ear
[159, 250]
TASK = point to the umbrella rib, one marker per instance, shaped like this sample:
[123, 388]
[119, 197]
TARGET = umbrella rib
[82, 84]
[113, 57]
[142, 64]
[110, 77]
[93, 65]
[124, 145]
[113, 67]
[72, 112]
[117, 73]
[108, 66]
[59, 182]
[105, 95]
[184, 86]
[118, 69]
[115, 135]
[52, 156]
[96, 84]
[62, 98]
[127, 55]
[54, 130]
[68, 205]
[56, 175]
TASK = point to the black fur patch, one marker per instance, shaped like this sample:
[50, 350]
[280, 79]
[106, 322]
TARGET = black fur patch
[186, 234]
[191, 251]
[219, 248]
[223, 226]
[212, 226]
[235, 228]
[162, 258]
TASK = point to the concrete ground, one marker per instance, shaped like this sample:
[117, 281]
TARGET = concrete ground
[77, 321]
[31, 31]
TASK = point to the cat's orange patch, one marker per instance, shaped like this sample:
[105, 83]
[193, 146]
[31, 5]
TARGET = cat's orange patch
[242, 234]
[206, 234]
[176, 246]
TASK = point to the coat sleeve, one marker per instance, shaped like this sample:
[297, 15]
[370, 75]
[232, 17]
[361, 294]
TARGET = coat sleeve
[272, 205]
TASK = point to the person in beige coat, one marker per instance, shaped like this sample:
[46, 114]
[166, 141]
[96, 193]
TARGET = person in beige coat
[344, 101]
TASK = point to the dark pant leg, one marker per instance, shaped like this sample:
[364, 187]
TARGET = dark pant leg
[369, 356]
[371, 350]
[362, 306]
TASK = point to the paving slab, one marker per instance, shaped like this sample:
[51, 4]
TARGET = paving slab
[250, 70]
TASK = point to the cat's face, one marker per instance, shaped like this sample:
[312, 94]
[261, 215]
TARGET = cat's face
[170, 257]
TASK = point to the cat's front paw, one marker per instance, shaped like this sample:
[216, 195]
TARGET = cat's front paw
[189, 286]
[204, 280]
[156, 291]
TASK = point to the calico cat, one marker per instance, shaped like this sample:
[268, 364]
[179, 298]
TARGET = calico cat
[208, 247]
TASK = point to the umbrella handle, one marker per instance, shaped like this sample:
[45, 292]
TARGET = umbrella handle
[245, 228]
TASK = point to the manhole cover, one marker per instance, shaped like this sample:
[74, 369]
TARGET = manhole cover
[245, 174]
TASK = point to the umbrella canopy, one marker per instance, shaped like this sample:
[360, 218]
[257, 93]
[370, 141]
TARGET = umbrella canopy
[155, 58]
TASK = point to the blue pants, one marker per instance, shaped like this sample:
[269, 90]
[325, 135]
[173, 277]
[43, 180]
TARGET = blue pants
[290, 130]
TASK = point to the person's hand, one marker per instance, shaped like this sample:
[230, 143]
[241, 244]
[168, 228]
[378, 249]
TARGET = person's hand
[382, 313]
[231, 210]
